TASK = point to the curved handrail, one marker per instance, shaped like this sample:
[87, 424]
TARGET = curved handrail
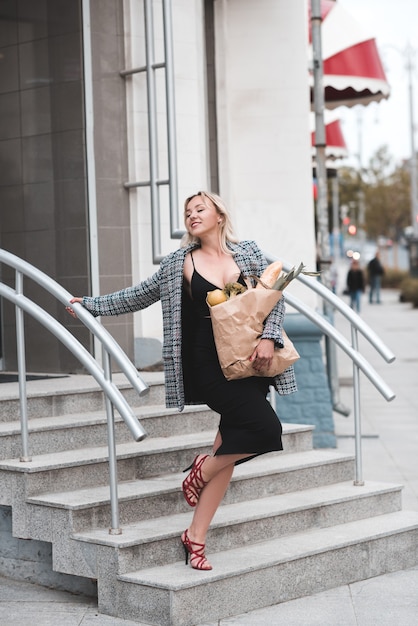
[359, 362]
[338, 304]
[113, 349]
[113, 396]
[64, 296]
[81, 353]
[354, 355]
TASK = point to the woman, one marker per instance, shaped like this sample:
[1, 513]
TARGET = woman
[210, 256]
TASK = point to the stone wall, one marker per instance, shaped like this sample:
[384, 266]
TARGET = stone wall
[31, 561]
[312, 404]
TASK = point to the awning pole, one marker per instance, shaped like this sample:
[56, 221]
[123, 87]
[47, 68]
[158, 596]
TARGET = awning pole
[320, 144]
[322, 199]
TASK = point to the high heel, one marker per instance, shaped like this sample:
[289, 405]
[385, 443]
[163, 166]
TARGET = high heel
[198, 559]
[193, 484]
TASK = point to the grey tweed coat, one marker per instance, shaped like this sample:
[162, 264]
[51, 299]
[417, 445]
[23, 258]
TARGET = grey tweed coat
[167, 285]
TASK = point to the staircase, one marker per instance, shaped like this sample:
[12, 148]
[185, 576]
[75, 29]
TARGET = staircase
[291, 524]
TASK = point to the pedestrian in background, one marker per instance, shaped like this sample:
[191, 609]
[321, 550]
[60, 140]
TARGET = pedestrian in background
[375, 272]
[355, 285]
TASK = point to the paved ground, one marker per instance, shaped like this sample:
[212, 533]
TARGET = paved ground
[389, 445]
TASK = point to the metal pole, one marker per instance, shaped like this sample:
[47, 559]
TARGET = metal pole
[358, 481]
[332, 362]
[113, 467]
[21, 368]
[320, 142]
[414, 196]
[152, 128]
[93, 230]
[171, 119]
[322, 199]
[336, 216]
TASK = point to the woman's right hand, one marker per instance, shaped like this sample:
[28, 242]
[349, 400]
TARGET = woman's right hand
[70, 310]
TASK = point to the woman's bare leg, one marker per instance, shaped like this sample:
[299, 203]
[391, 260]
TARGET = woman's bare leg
[217, 471]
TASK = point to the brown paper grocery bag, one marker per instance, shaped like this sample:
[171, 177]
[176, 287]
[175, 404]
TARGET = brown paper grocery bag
[237, 328]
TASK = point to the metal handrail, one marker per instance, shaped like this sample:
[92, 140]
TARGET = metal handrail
[357, 358]
[88, 320]
[113, 396]
[341, 306]
[359, 362]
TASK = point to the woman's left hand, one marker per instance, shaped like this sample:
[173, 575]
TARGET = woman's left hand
[262, 356]
[70, 310]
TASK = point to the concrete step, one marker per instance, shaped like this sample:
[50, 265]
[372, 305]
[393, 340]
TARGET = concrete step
[291, 523]
[149, 543]
[263, 574]
[160, 496]
[84, 430]
[74, 394]
[88, 467]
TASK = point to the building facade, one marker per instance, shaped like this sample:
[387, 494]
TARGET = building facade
[114, 111]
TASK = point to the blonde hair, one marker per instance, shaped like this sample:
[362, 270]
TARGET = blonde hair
[226, 232]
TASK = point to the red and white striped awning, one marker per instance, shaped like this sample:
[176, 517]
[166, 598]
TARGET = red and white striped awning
[353, 71]
[335, 143]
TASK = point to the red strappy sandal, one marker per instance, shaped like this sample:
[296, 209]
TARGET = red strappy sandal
[192, 485]
[197, 556]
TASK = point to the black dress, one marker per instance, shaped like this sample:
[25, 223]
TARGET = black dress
[248, 422]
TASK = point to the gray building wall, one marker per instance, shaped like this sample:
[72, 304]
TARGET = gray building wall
[111, 160]
[44, 213]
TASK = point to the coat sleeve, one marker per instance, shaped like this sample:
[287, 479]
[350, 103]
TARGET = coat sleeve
[274, 321]
[274, 324]
[126, 300]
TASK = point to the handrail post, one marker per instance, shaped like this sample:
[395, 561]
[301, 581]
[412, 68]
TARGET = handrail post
[113, 468]
[357, 416]
[21, 369]
[332, 368]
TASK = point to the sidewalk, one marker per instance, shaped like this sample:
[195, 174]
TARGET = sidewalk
[390, 453]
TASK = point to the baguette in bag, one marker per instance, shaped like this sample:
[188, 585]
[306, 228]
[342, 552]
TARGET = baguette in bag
[237, 327]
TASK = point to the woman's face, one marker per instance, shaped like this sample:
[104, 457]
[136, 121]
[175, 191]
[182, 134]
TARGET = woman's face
[201, 217]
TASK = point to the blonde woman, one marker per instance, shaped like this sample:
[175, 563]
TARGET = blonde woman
[209, 257]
